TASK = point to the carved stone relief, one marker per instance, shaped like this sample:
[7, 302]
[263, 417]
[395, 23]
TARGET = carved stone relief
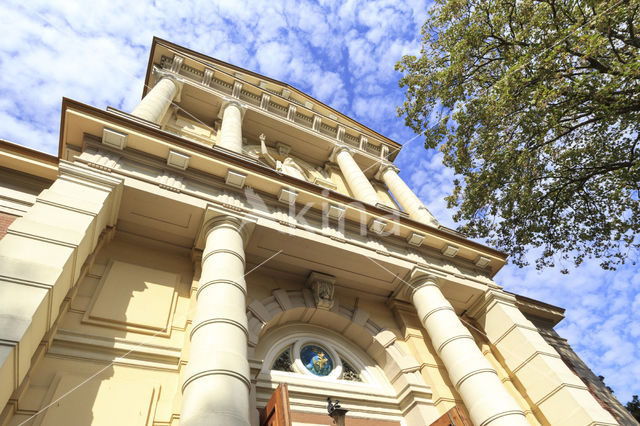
[322, 287]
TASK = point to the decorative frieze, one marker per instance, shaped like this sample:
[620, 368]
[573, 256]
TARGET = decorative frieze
[284, 218]
[363, 142]
[171, 182]
[176, 65]
[101, 160]
[264, 101]
[207, 76]
[291, 113]
[237, 88]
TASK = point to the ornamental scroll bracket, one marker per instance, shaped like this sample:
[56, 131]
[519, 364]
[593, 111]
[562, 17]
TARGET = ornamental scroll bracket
[322, 286]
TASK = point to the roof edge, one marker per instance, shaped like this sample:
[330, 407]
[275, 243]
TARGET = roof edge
[70, 103]
[159, 41]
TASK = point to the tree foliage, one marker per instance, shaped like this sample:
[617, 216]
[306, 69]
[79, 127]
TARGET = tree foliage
[633, 407]
[535, 104]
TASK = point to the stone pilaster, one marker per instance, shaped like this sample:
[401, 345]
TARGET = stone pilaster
[155, 104]
[357, 181]
[553, 388]
[230, 135]
[409, 202]
[42, 257]
[216, 385]
[477, 382]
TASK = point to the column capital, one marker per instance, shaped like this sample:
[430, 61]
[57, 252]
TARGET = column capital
[245, 228]
[417, 279]
[160, 73]
[337, 150]
[384, 166]
[217, 216]
[228, 102]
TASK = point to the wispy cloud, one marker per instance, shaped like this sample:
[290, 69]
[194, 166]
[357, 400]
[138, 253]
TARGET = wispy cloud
[340, 52]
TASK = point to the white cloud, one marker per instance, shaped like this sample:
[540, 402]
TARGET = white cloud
[343, 53]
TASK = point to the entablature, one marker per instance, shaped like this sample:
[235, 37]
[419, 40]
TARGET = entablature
[266, 96]
[208, 167]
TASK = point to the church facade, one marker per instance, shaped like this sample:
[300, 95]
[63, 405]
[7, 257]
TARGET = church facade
[231, 237]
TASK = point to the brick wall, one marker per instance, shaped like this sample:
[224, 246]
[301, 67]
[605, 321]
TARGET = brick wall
[5, 221]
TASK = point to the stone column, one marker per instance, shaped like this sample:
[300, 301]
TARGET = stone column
[230, 135]
[486, 399]
[41, 258]
[155, 104]
[405, 196]
[216, 386]
[553, 388]
[357, 181]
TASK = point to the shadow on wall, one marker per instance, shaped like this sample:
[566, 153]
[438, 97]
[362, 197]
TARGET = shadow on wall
[128, 297]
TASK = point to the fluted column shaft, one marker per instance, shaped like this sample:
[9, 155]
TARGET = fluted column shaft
[155, 104]
[409, 202]
[216, 384]
[357, 181]
[486, 399]
[231, 129]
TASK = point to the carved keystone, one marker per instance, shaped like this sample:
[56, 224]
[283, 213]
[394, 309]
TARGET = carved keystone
[322, 287]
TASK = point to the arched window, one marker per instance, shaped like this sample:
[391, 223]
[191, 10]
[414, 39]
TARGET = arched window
[318, 359]
[317, 363]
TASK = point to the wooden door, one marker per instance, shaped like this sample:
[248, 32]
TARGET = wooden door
[277, 412]
[453, 417]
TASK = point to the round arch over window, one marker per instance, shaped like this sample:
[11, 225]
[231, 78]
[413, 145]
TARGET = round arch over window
[354, 376]
[311, 356]
[319, 357]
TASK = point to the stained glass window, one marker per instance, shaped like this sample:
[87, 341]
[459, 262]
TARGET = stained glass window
[283, 362]
[316, 360]
[349, 373]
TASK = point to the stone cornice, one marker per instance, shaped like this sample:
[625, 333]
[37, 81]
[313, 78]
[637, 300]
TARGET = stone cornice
[524, 304]
[244, 163]
[539, 309]
[40, 164]
[489, 299]
[233, 203]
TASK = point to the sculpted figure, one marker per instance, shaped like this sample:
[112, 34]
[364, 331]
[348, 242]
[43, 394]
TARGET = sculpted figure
[289, 166]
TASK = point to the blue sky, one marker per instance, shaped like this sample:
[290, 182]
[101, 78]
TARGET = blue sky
[343, 54]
